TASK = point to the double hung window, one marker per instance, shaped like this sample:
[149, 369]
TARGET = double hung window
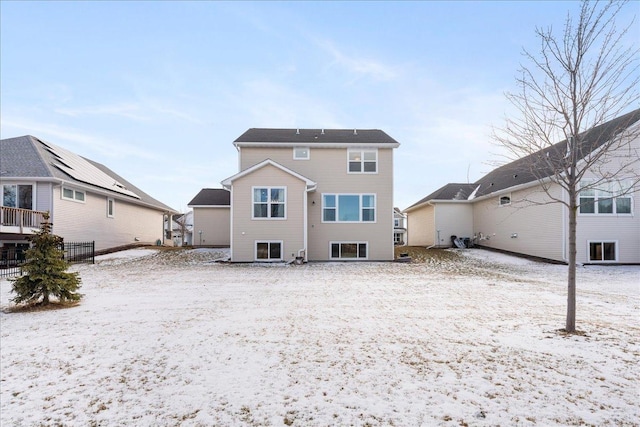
[348, 208]
[269, 202]
[363, 161]
[605, 198]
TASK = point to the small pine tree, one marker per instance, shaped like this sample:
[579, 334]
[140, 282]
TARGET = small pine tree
[44, 272]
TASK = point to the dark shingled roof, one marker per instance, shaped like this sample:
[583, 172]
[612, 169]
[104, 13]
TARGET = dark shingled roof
[533, 167]
[449, 192]
[26, 156]
[212, 197]
[311, 136]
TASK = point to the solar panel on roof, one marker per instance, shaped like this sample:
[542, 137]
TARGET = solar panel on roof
[80, 169]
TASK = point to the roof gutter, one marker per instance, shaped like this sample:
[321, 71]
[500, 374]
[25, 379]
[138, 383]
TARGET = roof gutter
[317, 144]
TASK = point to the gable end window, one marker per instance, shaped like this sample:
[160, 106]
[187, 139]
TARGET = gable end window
[363, 161]
[301, 153]
[505, 200]
[348, 208]
[71, 194]
[602, 252]
[269, 203]
[611, 198]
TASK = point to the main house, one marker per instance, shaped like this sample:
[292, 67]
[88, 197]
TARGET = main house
[312, 194]
[86, 200]
[508, 210]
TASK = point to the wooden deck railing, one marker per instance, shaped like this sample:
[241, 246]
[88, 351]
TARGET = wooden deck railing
[22, 218]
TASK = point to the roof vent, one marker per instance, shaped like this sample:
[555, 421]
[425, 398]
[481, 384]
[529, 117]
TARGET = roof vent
[515, 176]
[297, 131]
[355, 132]
[321, 131]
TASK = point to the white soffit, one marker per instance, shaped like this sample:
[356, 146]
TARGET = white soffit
[81, 170]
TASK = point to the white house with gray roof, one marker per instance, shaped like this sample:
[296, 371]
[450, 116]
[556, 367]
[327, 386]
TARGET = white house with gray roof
[86, 200]
[312, 194]
[508, 210]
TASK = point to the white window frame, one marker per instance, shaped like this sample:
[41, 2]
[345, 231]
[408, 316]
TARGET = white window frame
[360, 207]
[602, 242]
[504, 200]
[75, 195]
[17, 192]
[357, 257]
[111, 207]
[269, 242]
[396, 222]
[269, 203]
[297, 157]
[361, 160]
[604, 192]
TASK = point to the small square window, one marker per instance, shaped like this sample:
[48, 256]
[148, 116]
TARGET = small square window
[301, 153]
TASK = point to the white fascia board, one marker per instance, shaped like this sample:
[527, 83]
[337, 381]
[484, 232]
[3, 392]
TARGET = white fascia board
[210, 206]
[311, 185]
[317, 144]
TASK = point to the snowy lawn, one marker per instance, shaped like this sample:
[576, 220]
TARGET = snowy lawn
[166, 338]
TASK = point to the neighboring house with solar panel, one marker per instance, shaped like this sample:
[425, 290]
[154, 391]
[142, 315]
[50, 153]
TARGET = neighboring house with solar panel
[211, 217]
[312, 194]
[508, 210]
[86, 200]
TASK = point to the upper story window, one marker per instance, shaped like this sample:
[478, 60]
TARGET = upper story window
[110, 207]
[17, 196]
[605, 198]
[363, 161]
[71, 194]
[269, 202]
[348, 208]
[301, 153]
[396, 222]
[505, 200]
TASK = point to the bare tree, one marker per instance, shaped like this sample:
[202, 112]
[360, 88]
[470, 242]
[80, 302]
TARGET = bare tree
[570, 91]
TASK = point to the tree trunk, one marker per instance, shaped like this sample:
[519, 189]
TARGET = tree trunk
[571, 279]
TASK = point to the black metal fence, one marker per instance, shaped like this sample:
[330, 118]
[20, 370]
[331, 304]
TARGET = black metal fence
[11, 259]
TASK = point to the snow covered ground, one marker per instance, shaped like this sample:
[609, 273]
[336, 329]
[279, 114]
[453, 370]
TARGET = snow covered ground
[166, 338]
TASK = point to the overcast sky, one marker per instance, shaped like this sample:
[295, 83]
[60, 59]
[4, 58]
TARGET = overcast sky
[158, 91]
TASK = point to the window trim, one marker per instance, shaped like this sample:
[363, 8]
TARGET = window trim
[506, 198]
[360, 208]
[596, 197]
[17, 194]
[111, 207]
[346, 242]
[602, 242]
[269, 242]
[268, 217]
[362, 160]
[75, 193]
[301, 158]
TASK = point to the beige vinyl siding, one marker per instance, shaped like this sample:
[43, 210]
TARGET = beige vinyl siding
[453, 219]
[421, 226]
[328, 168]
[43, 192]
[88, 221]
[539, 228]
[215, 224]
[246, 231]
[624, 229]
